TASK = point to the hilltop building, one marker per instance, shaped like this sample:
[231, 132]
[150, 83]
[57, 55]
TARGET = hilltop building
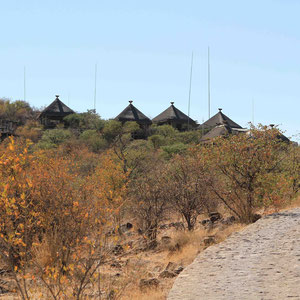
[219, 119]
[132, 114]
[174, 117]
[7, 128]
[220, 125]
[222, 130]
[54, 114]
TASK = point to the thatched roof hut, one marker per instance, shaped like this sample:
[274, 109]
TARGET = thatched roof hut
[219, 119]
[54, 113]
[173, 116]
[222, 130]
[131, 113]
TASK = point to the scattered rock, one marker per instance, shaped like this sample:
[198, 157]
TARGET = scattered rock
[205, 222]
[118, 250]
[116, 264]
[209, 240]
[173, 267]
[149, 283]
[167, 274]
[208, 225]
[125, 227]
[214, 217]
[178, 270]
[256, 217]
[171, 270]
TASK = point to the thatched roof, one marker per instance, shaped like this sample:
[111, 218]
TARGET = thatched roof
[131, 113]
[172, 113]
[56, 109]
[222, 130]
[219, 119]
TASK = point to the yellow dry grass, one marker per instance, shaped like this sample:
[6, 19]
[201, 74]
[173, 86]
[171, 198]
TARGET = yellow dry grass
[190, 245]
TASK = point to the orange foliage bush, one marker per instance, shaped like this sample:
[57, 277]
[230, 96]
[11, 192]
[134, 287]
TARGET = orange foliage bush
[47, 204]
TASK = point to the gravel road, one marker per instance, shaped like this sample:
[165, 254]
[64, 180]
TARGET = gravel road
[261, 262]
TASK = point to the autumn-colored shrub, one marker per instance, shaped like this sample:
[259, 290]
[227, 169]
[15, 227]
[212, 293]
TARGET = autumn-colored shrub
[149, 198]
[47, 206]
[249, 171]
[187, 184]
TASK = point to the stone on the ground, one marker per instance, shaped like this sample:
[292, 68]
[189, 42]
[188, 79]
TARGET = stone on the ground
[148, 283]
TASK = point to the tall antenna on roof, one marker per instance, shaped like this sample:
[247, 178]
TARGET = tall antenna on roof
[190, 90]
[208, 81]
[252, 111]
[24, 83]
[95, 91]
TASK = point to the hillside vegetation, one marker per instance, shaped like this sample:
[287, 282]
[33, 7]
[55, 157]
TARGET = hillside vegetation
[77, 204]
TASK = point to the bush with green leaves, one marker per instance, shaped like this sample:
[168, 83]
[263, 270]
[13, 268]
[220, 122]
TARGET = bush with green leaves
[85, 121]
[171, 150]
[93, 140]
[53, 138]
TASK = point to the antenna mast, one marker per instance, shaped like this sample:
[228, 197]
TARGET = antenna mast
[190, 90]
[208, 82]
[252, 111]
[95, 91]
[24, 83]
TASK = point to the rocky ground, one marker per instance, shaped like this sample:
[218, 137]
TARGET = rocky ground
[260, 262]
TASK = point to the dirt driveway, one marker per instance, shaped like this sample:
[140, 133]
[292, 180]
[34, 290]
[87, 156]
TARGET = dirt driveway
[261, 262]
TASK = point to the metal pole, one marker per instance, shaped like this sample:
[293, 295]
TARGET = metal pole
[95, 92]
[24, 83]
[208, 70]
[253, 112]
[190, 90]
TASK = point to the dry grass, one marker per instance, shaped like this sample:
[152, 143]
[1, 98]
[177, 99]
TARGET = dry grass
[136, 294]
[294, 203]
[182, 250]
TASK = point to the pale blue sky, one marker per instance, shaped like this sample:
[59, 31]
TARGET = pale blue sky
[143, 51]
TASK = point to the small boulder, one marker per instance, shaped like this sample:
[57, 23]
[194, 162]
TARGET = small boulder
[116, 264]
[171, 270]
[148, 283]
[209, 240]
[178, 270]
[256, 217]
[167, 274]
[205, 222]
[214, 217]
[118, 250]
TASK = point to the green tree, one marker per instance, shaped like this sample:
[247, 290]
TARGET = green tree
[54, 137]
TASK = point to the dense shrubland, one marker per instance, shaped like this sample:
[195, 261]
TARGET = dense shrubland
[64, 193]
